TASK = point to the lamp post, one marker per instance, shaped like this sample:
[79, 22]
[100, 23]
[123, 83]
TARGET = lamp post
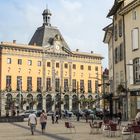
[60, 99]
[19, 81]
[78, 94]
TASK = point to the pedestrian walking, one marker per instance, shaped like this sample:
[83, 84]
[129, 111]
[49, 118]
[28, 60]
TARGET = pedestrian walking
[86, 116]
[78, 116]
[119, 115]
[32, 122]
[17, 112]
[56, 116]
[43, 121]
[52, 118]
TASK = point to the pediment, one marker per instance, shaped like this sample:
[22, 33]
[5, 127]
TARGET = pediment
[56, 46]
[53, 49]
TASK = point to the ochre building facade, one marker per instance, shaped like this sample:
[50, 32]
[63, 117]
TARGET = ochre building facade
[46, 74]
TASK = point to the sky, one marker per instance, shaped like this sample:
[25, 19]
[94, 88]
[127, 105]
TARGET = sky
[80, 22]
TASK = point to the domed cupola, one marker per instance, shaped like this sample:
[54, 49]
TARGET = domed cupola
[46, 17]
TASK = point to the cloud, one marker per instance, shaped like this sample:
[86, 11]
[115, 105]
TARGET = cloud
[71, 5]
[80, 21]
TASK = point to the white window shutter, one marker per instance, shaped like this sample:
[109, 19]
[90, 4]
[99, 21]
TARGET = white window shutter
[130, 72]
[135, 39]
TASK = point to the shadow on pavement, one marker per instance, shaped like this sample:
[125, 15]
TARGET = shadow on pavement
[45, 134]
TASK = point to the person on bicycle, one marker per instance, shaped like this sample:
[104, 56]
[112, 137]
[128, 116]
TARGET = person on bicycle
[32, 122]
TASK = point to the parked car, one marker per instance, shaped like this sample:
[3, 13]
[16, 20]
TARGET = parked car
[66, 113]
[38, 113]
[78, 112]
[50, 113]
[26, 113]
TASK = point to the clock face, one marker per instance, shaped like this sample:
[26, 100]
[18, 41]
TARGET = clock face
[57, 47]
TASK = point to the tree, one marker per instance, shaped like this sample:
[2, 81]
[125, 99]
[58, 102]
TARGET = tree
[120, 89]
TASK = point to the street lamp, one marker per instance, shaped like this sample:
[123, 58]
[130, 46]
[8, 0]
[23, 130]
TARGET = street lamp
[19, 82]
[78, 94]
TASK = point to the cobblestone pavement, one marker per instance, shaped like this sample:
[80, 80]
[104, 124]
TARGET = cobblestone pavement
[20, 131]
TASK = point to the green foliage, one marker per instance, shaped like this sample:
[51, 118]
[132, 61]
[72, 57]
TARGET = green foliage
[120, 89]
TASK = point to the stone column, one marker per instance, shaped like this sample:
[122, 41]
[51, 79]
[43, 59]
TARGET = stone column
[3, 103]
[70, 85]
[70, 76]
[62, 105]
[44, 101]
[43, 79]
[53, 76]
[43, 72]
[53, 98]
[70, 102]
[61, 76]
[61, 83]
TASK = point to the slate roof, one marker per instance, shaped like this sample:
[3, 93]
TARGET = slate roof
[44, 36]
[115, 7]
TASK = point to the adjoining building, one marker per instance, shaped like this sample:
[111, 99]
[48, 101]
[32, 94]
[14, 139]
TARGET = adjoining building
[46, 74]
[124, 35]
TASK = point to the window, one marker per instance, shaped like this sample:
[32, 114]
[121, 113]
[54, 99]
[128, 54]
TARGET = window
[29, 83]
[121, 52]
[81, 67]
[82, 86]
[8, 83]
[8, 60]
[57, 85]
[74, 85]
[89, 86]
[89, 67]
[39, 83]
[29, 62]
[116, 55]
[121, 77]
[96, 86]
[120, 27]
[19, 83]
[117, 79]
[135, 38]
[48, 64]
[66, 66]
[57, 65]
[96, 68]
[134, 14]
[48, 84]
[19, 61]
[39, 63]
[66, 85]
[136, 64]
[74, 66]
[115, 32]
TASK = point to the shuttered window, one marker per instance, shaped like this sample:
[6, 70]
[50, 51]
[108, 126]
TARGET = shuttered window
[135, 38]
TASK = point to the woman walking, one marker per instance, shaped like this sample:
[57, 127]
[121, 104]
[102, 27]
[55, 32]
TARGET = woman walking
[43, 121]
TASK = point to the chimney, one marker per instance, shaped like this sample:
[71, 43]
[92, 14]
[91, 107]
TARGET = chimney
[14, 41]
[77, 50]
[91, 52]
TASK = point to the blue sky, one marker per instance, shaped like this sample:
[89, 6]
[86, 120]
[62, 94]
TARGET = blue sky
[80, 21]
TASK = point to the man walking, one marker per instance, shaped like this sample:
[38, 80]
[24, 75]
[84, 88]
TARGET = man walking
[32, 122]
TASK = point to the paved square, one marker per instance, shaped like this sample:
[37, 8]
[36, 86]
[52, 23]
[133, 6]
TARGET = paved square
[21, 131]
